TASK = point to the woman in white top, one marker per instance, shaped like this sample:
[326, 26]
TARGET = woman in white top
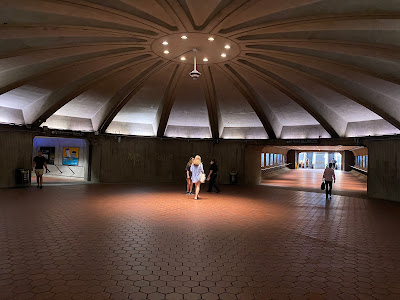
[197, 169]
[329, 175]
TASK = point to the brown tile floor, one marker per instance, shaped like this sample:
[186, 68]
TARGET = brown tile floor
[131, 242]
[347, 183]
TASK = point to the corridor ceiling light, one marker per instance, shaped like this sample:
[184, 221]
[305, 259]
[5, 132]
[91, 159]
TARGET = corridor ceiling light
[205, 59]
[165, 43]
[183, 37]
[227, 47]
[183, 58]
[223, 55]
[210, 38]
[166, 52]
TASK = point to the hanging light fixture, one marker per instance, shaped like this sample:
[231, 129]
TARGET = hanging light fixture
[195, 74]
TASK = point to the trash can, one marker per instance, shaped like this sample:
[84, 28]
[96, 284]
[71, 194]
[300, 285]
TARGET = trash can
[22, 177]
[233, 177]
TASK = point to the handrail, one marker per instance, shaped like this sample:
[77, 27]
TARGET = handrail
[58, 168]
[358, 169]
[274, 167]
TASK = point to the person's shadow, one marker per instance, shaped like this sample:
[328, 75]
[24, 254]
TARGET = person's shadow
[327, 209]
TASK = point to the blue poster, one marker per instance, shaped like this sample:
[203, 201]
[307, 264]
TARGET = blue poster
[70, 156]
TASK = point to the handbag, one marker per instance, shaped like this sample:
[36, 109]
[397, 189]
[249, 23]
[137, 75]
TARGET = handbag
[323, 185]
[202, 177]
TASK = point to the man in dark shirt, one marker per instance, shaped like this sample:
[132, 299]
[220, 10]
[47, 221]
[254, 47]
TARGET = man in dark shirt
[38, 163]
[212, 176]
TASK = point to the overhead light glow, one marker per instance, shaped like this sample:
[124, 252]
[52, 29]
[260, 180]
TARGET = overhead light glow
[205, 59]
[166, 52]
[165, 43]
[227, 47]
[183, 37]
[223, 55]
[183, 58]
[210, 38]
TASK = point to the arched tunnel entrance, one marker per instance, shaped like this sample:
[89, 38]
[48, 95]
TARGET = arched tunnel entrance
[68, 159]
[302, 167]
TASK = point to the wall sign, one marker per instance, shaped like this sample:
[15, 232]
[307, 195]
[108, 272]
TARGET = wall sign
[49, 153]
[70, 156]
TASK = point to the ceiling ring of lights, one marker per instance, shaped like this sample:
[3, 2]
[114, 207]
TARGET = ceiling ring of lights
[209, 51]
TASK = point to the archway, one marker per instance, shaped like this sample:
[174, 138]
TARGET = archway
[68, 159]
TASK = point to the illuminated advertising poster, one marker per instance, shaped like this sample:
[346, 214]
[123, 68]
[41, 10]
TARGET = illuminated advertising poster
[49, 153]
[70, 156]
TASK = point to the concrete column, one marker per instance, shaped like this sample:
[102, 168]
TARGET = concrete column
[252, 166]
[291, 159]
[384, 169]
[347, 160]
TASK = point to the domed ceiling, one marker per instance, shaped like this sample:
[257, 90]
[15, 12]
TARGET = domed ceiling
[274, 69]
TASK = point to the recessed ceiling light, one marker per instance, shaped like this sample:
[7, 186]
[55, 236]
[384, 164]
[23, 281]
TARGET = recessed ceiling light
[165, 43]
[210, 38]
[183, 37]
[227, 47]
[166, 52]
[223, 55]
[183, 58]
[205, 59]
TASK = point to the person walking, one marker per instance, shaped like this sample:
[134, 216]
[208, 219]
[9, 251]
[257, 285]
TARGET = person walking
[197, 170]
[38, 162]
[189, 183]
[212, 176]
[329, 175]
[333, 163]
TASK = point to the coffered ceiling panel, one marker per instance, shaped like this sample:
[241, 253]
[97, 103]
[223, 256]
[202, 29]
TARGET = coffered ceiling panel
[265, 69]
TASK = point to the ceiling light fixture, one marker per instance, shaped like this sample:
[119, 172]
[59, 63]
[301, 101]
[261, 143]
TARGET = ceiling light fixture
[165, 43]
[183, 37]
[166, 52]
[205, 59]
[227, 47]
[210, 38]
[223, 55]
[183, 58]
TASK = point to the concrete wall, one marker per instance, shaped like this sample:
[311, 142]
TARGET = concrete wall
[135, 160]
[58, 169]
[384, 169]
[15, 153]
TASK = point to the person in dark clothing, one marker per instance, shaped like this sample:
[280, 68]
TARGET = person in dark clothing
[38, 163]
[188, 174]
[212, 176]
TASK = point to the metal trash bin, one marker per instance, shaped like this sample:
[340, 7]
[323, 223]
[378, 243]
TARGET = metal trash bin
[233, 177]
[22, 177]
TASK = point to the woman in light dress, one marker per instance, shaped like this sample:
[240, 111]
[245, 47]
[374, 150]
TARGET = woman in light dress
[197, 170]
